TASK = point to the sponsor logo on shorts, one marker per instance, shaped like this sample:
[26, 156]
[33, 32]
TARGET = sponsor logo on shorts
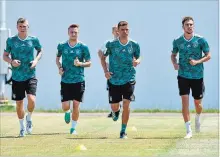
[14, 96]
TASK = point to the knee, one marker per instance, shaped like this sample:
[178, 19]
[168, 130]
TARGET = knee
[31, 98]
[76, 106]
[115, 108]
[19, 104]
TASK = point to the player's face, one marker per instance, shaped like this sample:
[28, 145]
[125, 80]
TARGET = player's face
[123, 31]
[73, 33]
[115, 32]
[188, 27]
[22, 27]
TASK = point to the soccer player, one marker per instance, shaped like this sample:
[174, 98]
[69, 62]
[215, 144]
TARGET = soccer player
[124, 55]
[103, 50]
[75, 57]
[19, 53]
[190, 70]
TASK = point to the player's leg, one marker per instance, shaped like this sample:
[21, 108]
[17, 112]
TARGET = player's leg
[198, 90]
[78, 90]
[184, 90]
[75, 116]
[64, 92]
[128, 96]
[115, 97]
[107, 88]
[31, 88]
[18, 94]
[125, 118]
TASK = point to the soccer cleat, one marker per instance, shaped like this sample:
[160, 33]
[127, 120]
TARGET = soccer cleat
[188, 135]
[73, 131]
[123, 135]
[67, 117]
[110, 115]
[29, 126]
[115, 115]
[197, 125]
[22, 133]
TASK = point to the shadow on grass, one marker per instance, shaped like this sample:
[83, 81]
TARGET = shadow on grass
[156, 138]
[39, 134]
[51, 134]
[10, 137]
[85, 138]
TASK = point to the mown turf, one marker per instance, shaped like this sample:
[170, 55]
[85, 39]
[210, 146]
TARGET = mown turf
[156, 135]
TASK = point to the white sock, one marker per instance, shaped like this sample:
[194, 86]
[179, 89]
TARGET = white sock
[188, 127]
[21, 121]
[197, 117]
[29, 116]
[68, 111]
[74, 124]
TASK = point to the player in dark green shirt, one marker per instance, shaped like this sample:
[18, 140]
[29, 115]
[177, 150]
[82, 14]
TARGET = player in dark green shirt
[124, 56]
[191, 48]
[75, 57]
[19, 53]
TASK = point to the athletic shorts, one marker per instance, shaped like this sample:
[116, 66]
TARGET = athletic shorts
[196, 85]
[119, 92]
[72, 91]
[20, 88]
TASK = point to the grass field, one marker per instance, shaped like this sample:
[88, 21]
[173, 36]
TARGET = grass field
[156, 134]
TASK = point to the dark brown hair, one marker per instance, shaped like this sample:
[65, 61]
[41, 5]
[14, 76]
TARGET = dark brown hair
[73, 26]
[122, 23]
[21, 20]
[186, 18]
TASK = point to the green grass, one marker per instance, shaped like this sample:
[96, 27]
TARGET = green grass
[10, 108]
[155, 136]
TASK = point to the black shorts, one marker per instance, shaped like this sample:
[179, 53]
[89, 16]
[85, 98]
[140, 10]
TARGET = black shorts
[197, 86]
[72, 91]
[19, 88]
[119, 92]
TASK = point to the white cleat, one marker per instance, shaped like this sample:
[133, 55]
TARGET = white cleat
[188, 135]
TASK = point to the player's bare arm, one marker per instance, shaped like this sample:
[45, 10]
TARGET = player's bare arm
[104, 66]
[82, 64]
[14, 63]
[35, 61]
[59, 66]
[206, 57]
[174, 61]
[136, 61]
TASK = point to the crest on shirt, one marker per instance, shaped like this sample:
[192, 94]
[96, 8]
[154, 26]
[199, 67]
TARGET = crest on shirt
[195, 44]
[16, 45]
[130, 50]
[181, 46]
[117, 49]
[65, 51]
[77, 51]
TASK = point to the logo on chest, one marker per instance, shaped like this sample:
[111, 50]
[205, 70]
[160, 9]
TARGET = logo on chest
[181, 46]
[195, 44]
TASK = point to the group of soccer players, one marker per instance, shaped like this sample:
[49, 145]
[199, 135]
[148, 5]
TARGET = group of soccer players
[123, 57]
